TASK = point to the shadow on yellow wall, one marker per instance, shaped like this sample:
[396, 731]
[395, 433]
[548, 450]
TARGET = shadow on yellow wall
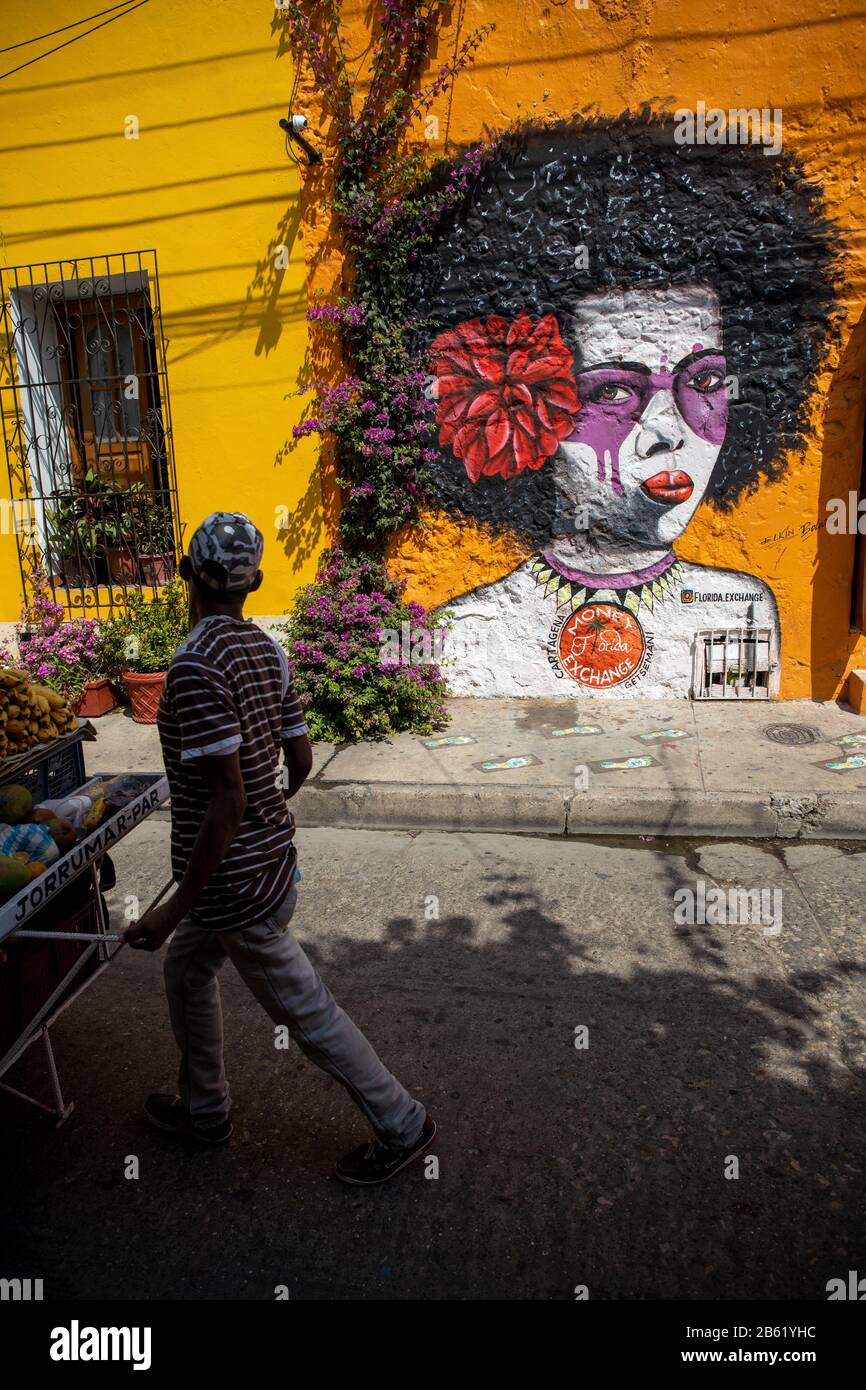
[208, 183]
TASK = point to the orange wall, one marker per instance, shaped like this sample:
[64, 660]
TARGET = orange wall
[547, 58]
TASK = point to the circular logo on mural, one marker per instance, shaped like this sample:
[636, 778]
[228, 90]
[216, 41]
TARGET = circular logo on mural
[601, 645]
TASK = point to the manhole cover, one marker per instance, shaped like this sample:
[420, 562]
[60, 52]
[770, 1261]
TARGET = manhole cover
[792, 733]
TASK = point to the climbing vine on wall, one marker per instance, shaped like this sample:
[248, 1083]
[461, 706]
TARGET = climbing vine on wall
[386, 204]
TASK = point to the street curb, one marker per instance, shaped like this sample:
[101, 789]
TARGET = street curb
[533, 810]
[437, 806]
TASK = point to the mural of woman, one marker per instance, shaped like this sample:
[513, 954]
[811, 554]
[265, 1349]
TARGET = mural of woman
[626, 328]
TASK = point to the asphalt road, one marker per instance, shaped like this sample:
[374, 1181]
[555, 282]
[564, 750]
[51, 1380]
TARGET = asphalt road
[470, 960]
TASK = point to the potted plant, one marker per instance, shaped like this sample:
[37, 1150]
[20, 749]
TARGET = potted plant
[138, 535]
[138, 644]
[119, 532]
[85, 533]
[155, 542]
[63, 654]
[72, 541]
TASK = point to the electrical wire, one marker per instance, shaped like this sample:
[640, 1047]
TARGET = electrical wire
[290, 150]
[52, 32]
[58, 46]
[290, 144]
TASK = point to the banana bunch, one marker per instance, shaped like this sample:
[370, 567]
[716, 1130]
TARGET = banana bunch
[29, 713]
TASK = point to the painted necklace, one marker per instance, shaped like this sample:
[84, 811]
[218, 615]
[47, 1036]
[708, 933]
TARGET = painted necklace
[572, 589]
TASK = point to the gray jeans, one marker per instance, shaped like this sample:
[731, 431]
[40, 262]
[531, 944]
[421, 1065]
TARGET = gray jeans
[279, 974]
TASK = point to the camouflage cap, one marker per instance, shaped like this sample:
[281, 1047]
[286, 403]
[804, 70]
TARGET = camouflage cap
[225, 552]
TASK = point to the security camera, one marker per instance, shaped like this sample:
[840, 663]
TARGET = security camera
[293, 125]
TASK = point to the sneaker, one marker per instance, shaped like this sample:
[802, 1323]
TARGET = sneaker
[375, 1162]
[167, 1113]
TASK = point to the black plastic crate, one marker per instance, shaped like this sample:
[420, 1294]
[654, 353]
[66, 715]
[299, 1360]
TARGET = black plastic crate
[47, 774]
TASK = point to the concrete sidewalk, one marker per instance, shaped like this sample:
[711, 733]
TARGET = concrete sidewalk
[755, 770]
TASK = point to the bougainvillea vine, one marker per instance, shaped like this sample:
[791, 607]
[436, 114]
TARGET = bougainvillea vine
[386, 205]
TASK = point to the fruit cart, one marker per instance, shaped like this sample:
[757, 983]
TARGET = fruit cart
[54, 930]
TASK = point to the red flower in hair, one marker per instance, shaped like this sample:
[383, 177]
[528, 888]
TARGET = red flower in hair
[506, 393]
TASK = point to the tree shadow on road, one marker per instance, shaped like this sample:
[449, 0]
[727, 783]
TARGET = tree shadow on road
[559, 1166]
[606, 1165]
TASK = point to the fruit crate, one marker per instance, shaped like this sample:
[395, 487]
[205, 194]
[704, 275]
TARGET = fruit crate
[150, 791]
[30, 971]
[49, 770]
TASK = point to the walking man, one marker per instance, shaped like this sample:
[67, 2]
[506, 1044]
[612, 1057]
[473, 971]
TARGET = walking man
[227, 710]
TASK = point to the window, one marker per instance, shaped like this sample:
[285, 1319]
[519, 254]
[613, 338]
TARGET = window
[87, 427]
[734, 663]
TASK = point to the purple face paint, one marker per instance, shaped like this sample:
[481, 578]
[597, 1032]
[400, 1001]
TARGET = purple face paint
[614, 400]
[701, 398]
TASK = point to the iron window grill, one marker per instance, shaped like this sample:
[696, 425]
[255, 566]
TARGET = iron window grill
[734, 663]
[87, 428]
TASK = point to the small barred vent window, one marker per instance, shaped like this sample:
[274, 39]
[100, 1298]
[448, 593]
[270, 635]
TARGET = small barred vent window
[733, 663]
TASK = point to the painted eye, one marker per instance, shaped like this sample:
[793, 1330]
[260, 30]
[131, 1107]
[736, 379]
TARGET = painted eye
[610, 393]
[706, 382]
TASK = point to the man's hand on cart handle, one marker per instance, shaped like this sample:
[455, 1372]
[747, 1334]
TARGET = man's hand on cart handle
[153, 929]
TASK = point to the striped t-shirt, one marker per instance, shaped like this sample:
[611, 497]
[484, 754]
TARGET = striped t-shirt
[228, 687]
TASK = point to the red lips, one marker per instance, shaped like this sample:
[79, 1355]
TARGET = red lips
[669, 488]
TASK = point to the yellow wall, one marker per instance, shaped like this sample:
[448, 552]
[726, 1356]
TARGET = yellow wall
[209, 185]
[548, 58]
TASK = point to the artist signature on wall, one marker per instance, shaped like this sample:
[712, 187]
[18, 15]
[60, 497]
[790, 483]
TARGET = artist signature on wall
[792, 533]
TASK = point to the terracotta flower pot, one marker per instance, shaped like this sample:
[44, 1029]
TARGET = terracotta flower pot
[144, 692]
[122, 564]
[157, 570]
[77, 574]
[97, 698]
